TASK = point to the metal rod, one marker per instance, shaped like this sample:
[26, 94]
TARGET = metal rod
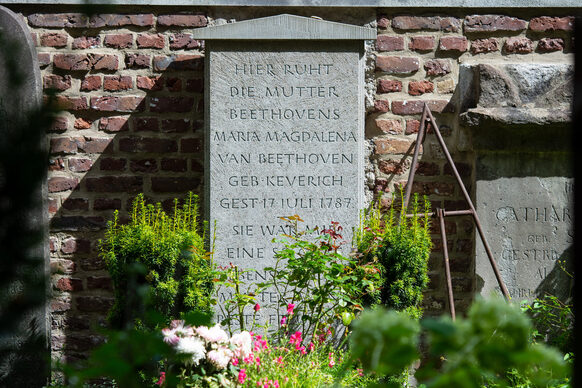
[419, 140]
[468, 199]
[446, 262]
[451, 213]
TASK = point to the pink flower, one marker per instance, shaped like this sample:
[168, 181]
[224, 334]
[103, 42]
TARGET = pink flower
[280, 360]
[276, 383]
[290, 308]
[360, 372]
[257, 307]
[296, 339]
[283, 321]
[162, 379]
[234, 361]
[331, 363]
[242, 376]
[311, 346]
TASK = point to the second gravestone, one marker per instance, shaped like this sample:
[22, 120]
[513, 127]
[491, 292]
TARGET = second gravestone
[285, 127]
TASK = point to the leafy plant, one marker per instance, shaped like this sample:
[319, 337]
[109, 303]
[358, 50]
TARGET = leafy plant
[553, 321]
[317, 285]
[400, 246]
[494, 338]
[157, 262]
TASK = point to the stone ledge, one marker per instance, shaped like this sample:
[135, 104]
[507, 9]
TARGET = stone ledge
[516, 116]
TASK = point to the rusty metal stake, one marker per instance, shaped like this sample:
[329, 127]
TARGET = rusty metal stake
[441, 213]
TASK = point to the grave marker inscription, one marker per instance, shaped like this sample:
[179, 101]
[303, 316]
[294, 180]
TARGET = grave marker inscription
[285, 126]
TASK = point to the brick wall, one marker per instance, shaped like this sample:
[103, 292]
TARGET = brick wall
[130, 86]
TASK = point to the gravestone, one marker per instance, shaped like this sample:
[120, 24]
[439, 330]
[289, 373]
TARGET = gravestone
[524, 187]
[285, 129]
[24, 350]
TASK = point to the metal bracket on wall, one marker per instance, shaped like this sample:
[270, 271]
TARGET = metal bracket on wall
[442, 213]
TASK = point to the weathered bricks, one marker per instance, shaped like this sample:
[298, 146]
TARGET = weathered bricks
[150, 41]
[389, 86]
[436, 67]
[453, 43]
[416, 88]
[389, 126]
[518, 45]
[435, 23]
[57, 82]
[138, 61]
[487, 45]
[53, 39]
[182, 20]
[117, 104]
[421, 43]
[86, 61]
[115, 83]
[550, 44]
[548, 23]
[392, 145]
[416, 106]
[80, 20]
[183, 42]
[397, 65]
[389, 43]
[489, 23]
[119, 41]
[178, 62]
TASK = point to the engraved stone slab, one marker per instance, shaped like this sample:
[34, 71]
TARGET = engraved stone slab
[285, 136]
[528, 222]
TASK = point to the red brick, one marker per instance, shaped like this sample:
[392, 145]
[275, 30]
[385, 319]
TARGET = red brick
[99, 282]
[149, 83]
[150, 41]
[182, 20]
[464, 169]
[392, 146]
[69, 284]
[44, 59]
[382, 106]
[62, 266]
[53, 242]
[190, 145]
[112, 164]
[56, 164]
[77, 223]
[453, 43]
[57, 20]
[488, 45]
[195, 85]
[180, 125]
[434, 188]
[143, 165]
[421, 43]
[383, 21]
[137, 61]
[76, 204]
[413, 126]
[518, 45]
[416, 88]
[173, 164]
[489, 23]
[58, 184]
[115, 184]
[389, 43]
[550, 44]
[86, 42]
[113, 124]
[53, 39]
[416, 106]
[104, 61]
[90, 83]
[118, 40]
[450, 24]
[81, 123]
[117, 104]
[171, 104]
[70, 103]
[174, 84]
[117, 20]
[53, 206]
[435, 67]
[427, 169]
[548, 23]
[98, 304]
[397, 65]
[80, 20]
[59, 124]
[72, 61]
[147, 144]
[389, 86]
[95, 144]
[179, 62]
[80, 164]
[184, 42]
[413, 23]
[390, 126]
[145, 124]
[391, 167]
[174, 185]
[57, 82]
[107, 204]
[65, 145]
[114, 83]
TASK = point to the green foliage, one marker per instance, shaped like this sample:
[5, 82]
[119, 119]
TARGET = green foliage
[157, 262]
[494, 338]
[553, 321]
[401, 247]
[322, 285]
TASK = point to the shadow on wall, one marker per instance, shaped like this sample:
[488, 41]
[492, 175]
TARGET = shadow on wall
[122, 133]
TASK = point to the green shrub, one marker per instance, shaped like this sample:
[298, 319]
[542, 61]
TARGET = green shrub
[401, 248]
[157, 262]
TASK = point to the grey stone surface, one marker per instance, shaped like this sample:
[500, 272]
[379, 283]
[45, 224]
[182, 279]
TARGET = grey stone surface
[24, 354]
[285, 137]
[328, 3]
[285, 27]
[528, 224]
